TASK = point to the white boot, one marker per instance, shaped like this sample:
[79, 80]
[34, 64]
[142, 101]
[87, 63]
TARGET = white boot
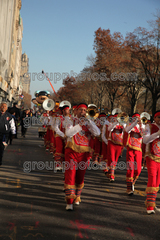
[150, 211]
[69, 207]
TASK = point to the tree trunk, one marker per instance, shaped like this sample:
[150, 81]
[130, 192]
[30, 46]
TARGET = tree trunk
[154, 103]
[112, 102]
[145, 102]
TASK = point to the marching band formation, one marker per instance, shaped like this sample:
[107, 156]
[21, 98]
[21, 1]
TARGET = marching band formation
[75, 139]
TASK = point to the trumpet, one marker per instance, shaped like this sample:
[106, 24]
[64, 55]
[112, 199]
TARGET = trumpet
[144, 117]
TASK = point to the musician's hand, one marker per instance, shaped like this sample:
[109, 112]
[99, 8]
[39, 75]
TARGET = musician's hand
[82, 121]
[114, 120]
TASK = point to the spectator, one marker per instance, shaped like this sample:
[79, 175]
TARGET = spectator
[11, 136]
[24, 120]
[6, 125]
[17, 116]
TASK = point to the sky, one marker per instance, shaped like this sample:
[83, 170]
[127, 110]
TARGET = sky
[58, 35]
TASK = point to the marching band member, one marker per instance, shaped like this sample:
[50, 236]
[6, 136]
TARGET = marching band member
[60, 137]
[105, 142]
[51, 133]
[115, 144]
[144, 166]
[133, 140]
[145, 119]
[74, 108]
[76, 153]
[46, 120]
[51, 136]
[97, 156]
[56, 112]
[53, 120]
[152, 140]
[92, 114]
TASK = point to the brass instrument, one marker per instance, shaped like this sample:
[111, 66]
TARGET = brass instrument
[48, 104]
[144, 117]
[122, 118]
[92, 111]
[116, 110]
[63, 103]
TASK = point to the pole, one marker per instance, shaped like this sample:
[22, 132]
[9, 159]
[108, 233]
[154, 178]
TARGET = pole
[49, 82]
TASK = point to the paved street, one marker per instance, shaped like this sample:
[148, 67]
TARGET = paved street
[32, 204]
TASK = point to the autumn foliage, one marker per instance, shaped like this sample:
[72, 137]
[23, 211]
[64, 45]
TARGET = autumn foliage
[124, 73]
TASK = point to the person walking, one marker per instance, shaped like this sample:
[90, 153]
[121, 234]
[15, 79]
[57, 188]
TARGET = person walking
[152, 140]
[6, 125]
[77, 153]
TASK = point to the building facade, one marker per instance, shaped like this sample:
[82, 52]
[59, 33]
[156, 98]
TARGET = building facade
[11, 34]
[25, 75]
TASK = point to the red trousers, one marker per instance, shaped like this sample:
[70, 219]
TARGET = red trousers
[153, 169]
[113, 153]
[97, 156]
[134, 163]
[75, 168]
[104, 151]
[104, 156]
[92, 143]
[47, 139]
[51, 137]
[60, 146]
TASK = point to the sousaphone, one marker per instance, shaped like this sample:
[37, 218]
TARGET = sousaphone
[63, 103]
[48, 104]
[92, 111]
[116, 110]
[145, 117]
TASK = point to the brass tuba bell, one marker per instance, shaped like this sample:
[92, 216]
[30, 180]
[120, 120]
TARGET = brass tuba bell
[144, 117]
[48, 104]
[65, 102]
[116, 110]
[92, 111]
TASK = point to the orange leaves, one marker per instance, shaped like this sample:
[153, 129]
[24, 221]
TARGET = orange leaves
[109, 49]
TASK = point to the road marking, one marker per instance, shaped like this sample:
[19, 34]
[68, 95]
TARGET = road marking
[80, 225]
[12, 236]
[30, 234]
[12, 181]
[130, 231]
[141, 193]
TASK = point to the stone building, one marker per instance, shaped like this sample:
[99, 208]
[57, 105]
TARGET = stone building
[25, 75]
[11, 29]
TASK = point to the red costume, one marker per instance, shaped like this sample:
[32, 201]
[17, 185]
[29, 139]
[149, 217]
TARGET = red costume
[59, 139]
[45, 121]
[134, 153]
[52, 133]
[105, 135]
[97, 155]
[77, 153]
[114, 148]
[152, 141]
